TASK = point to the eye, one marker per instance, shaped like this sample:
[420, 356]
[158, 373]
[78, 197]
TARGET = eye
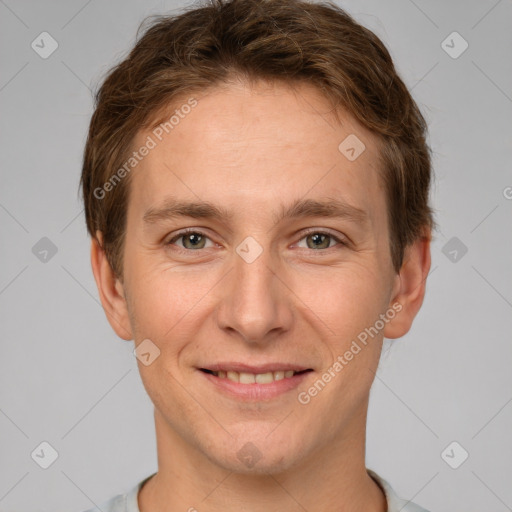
[321, 240]
[192, 239]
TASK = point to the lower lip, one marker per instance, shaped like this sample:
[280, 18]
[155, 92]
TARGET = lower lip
[254, 392]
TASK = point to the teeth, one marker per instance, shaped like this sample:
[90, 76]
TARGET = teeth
[251, 378]
[234, 376]
[247, 378]
[264, 378]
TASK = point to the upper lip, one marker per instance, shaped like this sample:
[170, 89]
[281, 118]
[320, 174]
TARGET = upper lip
[251, 368]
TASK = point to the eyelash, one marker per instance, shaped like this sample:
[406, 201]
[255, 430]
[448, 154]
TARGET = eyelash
[187, 231]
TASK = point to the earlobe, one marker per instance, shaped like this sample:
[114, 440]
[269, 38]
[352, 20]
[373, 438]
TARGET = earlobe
[409, 287]
[111, 290]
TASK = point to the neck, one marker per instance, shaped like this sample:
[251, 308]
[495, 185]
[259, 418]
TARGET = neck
[334, 478]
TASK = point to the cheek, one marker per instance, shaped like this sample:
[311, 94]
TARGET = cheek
[166, 301]
[344, 300]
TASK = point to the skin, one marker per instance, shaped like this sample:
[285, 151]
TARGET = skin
[251, 149]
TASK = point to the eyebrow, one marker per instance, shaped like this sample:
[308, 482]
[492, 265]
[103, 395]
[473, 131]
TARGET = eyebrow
[301, 208]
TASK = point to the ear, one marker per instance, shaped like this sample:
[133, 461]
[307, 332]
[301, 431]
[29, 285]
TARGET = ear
[409, 287]
[111, 290]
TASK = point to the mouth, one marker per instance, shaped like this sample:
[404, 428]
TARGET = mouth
[249, 384]
[254, 378]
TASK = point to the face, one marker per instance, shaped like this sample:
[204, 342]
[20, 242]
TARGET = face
[256, 245]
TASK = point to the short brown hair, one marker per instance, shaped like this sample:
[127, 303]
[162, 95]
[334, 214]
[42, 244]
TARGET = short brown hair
[274, 40]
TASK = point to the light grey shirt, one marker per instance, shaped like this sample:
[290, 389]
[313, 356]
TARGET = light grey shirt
[128, 502]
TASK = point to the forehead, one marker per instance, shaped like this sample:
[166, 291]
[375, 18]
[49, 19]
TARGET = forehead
[244, 146]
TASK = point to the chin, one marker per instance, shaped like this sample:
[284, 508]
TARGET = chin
[259, 464]
[255, 453]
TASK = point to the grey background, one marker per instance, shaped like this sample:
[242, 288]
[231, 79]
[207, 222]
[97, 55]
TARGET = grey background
[65, 378]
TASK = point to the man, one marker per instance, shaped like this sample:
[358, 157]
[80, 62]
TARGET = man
[256, 184]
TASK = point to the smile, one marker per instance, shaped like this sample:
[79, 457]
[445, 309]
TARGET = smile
[254, 378]
[261, 385]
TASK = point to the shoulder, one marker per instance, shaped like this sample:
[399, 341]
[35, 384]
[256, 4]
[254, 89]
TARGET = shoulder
[127, 502]
[115, 504]
[395, 504]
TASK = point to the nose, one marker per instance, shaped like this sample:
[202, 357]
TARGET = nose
[255, 303]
